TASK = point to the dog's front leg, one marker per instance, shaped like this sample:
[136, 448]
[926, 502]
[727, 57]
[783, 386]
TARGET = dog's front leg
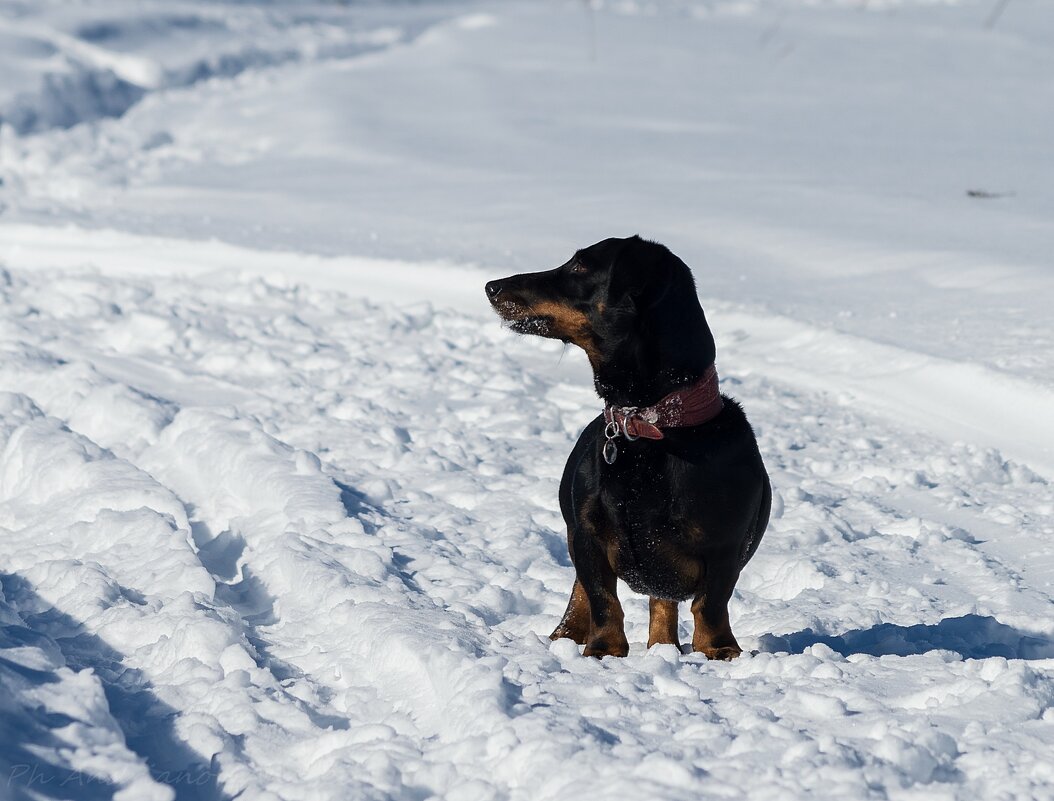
[662, 622]
[607, 636]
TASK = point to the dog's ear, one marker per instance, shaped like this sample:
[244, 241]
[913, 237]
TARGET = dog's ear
[641, 273]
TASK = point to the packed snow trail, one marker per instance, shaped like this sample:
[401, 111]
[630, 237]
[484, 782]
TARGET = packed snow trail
[310, 547]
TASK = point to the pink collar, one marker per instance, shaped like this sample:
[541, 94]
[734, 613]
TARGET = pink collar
[691, 406]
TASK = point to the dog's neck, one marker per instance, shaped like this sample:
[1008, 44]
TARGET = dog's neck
[651, 353]
[644, 387]
[632, 375]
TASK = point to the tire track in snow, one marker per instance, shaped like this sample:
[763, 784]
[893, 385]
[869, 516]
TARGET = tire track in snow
[346, 619]
[298, 690]
[58, 727]
[133, 696]
[76, 585]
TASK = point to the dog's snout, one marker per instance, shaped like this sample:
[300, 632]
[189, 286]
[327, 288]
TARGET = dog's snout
[493, 290]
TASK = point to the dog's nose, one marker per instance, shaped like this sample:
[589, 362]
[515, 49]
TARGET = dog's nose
[493, 290]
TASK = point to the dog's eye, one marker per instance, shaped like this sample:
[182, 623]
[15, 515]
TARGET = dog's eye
[578, 267]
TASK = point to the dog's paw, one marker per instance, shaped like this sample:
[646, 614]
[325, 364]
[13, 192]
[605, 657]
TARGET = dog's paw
[724, 654]
[606, 647]
[564, 632]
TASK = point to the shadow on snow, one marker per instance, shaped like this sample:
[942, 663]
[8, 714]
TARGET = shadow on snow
[146, 721]
[970, 636]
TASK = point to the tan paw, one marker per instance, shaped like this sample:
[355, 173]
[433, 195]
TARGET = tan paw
[724, 654]
[606, 647]
[562, 632]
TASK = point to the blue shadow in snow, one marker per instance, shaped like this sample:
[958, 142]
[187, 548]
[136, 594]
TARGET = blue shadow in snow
[146, 721]
[970, 636]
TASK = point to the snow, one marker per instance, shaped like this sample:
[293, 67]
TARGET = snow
[278, 495]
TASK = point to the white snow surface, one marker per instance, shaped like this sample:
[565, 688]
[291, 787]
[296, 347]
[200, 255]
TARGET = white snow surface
[278, 495]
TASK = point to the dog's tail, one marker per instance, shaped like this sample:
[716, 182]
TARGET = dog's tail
[761, 522]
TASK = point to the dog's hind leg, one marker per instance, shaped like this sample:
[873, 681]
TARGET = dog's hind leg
[576, 621]
[761, 522]
[713, 633]
[662, 622]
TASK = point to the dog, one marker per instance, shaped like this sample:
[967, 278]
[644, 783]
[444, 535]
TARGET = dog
[666, 489]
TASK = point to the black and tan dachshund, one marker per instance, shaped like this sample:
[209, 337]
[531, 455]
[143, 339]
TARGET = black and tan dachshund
[666, 489]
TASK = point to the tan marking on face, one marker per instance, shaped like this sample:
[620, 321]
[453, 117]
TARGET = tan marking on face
[570, 324]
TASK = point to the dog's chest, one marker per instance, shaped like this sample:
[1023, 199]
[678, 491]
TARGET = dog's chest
[645, 517]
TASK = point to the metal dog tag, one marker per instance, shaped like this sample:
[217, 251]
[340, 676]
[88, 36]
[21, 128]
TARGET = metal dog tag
[611, 431]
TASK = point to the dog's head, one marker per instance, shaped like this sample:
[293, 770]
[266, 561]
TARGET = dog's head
[630, 304]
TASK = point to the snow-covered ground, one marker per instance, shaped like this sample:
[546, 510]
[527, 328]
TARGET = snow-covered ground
[278, 494]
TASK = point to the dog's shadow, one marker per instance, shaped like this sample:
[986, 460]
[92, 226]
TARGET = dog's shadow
[970, 636]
